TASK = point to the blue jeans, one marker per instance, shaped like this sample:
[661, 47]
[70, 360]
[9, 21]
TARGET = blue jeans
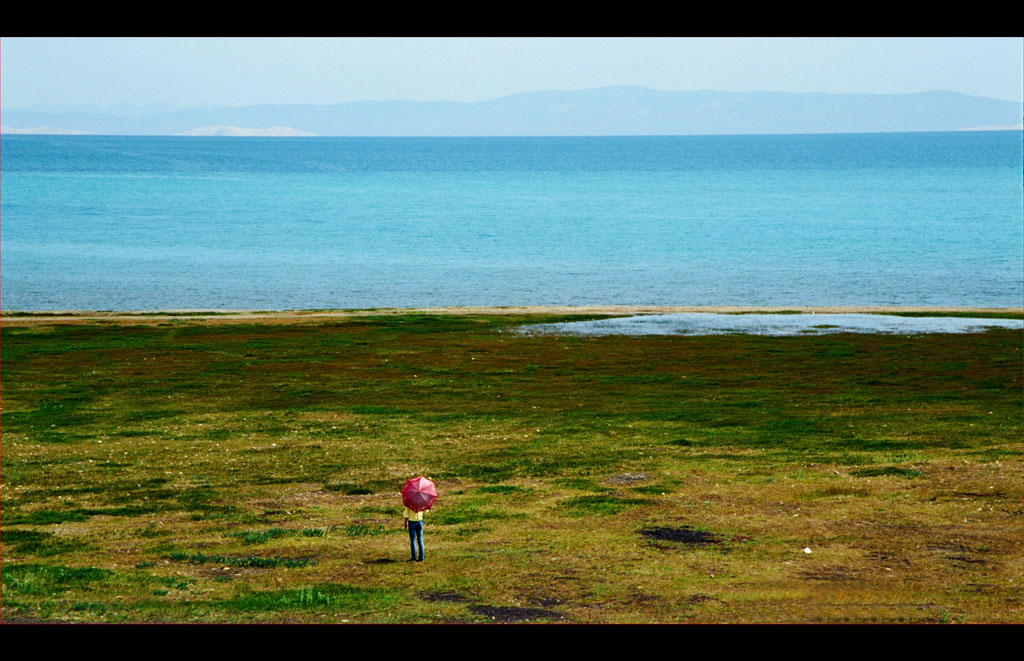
[416, 537]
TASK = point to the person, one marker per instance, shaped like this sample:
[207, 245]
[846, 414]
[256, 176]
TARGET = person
[414, 522]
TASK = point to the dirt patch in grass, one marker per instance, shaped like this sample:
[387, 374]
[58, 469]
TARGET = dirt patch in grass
[444, 595]
[506, 614]
[682, 534]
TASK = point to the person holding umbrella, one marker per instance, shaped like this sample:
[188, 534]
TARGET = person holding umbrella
[418, 496]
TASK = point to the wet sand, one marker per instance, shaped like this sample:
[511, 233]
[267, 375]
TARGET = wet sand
[36, 318]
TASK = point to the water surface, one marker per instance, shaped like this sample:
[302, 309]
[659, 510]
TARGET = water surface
[121, 223]
[708, 323]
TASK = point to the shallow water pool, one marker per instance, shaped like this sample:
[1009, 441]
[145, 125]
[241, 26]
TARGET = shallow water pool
[711, 323]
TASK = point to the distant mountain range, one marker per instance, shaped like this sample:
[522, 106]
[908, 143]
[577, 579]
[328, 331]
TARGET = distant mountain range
[624, 110]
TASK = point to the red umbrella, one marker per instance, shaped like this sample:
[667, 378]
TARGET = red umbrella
[419, 494]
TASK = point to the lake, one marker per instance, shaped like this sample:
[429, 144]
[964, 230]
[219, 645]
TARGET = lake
[123, 223]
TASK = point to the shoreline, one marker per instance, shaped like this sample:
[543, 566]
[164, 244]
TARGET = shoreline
[41, 317]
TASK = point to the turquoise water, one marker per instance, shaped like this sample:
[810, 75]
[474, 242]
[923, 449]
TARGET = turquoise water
[119, 223]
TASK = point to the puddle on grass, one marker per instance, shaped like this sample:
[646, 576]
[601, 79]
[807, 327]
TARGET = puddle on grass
[713, 323]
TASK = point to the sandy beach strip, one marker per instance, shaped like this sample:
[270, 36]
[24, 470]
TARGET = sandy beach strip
[207, 316]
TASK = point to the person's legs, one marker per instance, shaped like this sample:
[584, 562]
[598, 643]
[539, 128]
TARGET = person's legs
[412, 538]
[416, 538]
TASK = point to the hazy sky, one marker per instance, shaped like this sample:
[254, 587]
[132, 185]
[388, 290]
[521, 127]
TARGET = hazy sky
[99, 72]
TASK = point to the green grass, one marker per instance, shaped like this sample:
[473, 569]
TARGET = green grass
[253, 537]
[334, 597]
[34, 579]
[467, 514]
[362, 530]
[600, 505]
[43, 517]
[43, 544]
[769, 312]
[249, 472]
[241, 561]
[504, 489]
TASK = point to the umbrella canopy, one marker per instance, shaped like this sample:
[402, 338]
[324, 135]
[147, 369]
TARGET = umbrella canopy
[419, 494]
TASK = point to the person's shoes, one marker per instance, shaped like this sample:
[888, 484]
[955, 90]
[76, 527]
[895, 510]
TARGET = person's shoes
[411, 560]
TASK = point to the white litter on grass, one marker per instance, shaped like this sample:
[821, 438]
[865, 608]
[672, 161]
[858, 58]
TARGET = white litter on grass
[807, 550]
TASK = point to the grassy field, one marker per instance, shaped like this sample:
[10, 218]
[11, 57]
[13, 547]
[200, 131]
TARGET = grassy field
[181, 470]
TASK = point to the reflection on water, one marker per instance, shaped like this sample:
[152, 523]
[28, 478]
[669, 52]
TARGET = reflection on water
[708, 323]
